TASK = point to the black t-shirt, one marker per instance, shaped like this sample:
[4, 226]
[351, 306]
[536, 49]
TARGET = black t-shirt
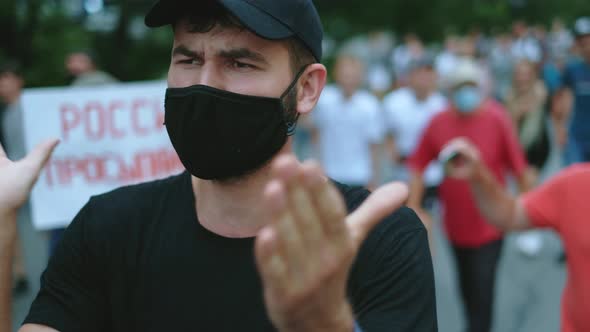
[137, 259]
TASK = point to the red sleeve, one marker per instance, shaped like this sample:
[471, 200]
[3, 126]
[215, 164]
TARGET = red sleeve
[543, 205]
[515, 158]
[425, 152]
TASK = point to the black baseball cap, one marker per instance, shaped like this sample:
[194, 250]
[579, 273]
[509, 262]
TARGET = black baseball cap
[269, 19]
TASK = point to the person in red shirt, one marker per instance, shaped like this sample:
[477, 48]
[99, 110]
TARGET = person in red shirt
[559, 204]
[476, 244]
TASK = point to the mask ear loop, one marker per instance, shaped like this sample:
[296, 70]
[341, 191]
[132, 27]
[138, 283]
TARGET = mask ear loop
[292, 123]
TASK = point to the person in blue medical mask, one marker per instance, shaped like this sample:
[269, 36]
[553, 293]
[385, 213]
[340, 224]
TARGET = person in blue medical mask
[476, 244]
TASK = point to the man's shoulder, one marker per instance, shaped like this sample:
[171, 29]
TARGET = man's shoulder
[365, 100]
[438, 101]
[129, 203]
[398, 98]
[330, 95]
[574, 176]
[575, 66]
[494, 111]
[401, 221]
[443, 117]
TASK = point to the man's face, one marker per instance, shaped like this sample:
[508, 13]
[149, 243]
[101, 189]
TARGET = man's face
[78, 64]
[230, 59]
[524, 73]
[519, 29]
[349, 74]
[584, 46]
[423, 80]
[467, 98]
[10, 86]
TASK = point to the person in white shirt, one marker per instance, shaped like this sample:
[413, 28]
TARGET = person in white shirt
[404, 54]
[348, 126]
[447, 60]
[407, 112]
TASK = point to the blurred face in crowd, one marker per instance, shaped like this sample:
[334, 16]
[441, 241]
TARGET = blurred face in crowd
[78, 64]
[10, 87]
[466, 47]
[451, 44]
[466, 98]
[349, 73]
[540, 32]
[519, 29]
[504, 40]
[584, 47]
[423, 81]
[524, 75]
[557, 25]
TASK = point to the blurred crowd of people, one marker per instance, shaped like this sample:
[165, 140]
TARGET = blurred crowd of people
[520, 97]
[522, 70]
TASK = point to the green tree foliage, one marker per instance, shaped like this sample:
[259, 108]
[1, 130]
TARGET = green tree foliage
[39, 34]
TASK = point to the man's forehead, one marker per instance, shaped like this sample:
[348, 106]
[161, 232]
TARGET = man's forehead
[221, 36]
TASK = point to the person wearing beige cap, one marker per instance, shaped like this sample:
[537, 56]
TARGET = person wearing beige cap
[476, 244]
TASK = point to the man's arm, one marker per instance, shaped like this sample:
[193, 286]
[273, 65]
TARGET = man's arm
[7, 240]
[561, 108]
[494, 202]
[392, 281]
[392, 152]
[526, 180]
[16, 181]
[376, 150]
[417, 163]
[36, 328]
[416, 190]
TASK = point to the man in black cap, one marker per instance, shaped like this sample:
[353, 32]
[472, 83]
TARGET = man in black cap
[248, 239]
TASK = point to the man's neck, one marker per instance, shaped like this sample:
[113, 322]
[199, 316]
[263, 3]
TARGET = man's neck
[421, 95]
[231, 209]
[13, 99]
[348, 94]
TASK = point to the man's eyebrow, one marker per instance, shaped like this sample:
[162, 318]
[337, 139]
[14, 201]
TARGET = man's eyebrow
[243, 53]
[183, 50]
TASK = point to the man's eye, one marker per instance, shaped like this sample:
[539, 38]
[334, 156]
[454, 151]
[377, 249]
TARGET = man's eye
[188, 62]
[241, 65]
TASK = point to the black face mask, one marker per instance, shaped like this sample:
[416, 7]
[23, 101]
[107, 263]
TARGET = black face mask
[220, 135]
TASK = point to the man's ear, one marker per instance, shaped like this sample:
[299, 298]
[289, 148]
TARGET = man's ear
[310, 87]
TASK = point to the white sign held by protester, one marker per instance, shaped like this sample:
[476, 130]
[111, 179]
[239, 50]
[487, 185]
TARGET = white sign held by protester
[110, 136]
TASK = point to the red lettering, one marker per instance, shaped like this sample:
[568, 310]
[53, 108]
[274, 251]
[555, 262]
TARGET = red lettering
[95, 114]
[48, 173]
[116, 105]
[137, 106]
[69, 119]
[160, 115]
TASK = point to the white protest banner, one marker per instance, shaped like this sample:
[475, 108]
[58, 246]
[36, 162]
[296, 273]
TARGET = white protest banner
[110, 136]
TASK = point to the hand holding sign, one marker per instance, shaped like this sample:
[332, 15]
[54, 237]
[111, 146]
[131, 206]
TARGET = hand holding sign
[18, 177]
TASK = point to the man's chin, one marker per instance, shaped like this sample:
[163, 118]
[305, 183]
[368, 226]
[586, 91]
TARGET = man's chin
[245, 176]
